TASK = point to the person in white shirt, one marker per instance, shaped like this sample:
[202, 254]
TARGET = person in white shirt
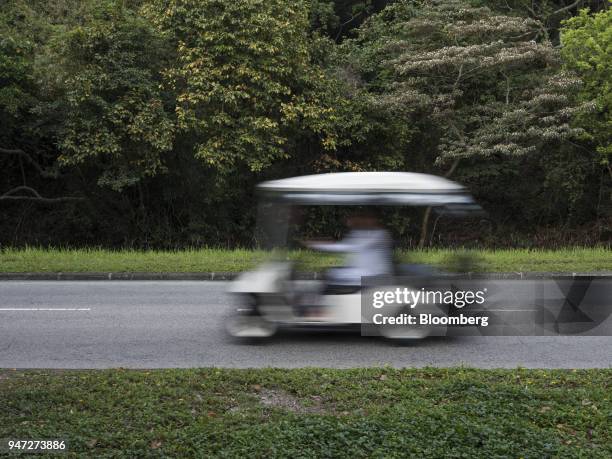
[369, 250]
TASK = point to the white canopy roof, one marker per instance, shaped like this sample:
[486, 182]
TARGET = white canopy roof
[368, 188]
[364, 182]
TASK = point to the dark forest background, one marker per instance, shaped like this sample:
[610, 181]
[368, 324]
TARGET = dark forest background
[147, 123]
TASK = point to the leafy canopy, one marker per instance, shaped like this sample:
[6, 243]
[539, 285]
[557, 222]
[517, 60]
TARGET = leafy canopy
[116, 112]
[480, 78]
[243, 78]
[587, 50]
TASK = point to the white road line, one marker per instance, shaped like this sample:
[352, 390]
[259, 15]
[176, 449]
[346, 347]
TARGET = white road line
[45, 309]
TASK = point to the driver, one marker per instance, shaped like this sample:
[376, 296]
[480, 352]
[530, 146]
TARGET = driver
[368, 246]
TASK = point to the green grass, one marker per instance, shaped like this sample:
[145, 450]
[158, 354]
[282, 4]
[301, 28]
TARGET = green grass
[219, 260]
[313, 412]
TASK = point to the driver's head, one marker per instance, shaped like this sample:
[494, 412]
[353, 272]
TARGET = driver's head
[363, 219]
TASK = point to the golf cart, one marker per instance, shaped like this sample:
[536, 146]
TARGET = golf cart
[272, 297]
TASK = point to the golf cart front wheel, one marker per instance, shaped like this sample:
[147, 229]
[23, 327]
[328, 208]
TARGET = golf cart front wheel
[250, 327]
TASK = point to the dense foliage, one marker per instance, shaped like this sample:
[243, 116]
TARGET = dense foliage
[147, 123]
[587, 47]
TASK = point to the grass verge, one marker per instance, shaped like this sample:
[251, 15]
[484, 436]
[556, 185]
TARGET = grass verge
[218, 260]
[313, 412]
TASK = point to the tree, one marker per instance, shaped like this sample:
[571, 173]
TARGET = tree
[587, 50]
[116, 115]
[485, 87]
[243, 79]
[26, 151]
[164, 114]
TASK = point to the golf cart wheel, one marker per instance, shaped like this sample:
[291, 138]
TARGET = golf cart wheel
[250, 327]
[401, 333]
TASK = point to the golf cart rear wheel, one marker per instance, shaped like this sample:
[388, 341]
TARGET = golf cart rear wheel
[401, 333]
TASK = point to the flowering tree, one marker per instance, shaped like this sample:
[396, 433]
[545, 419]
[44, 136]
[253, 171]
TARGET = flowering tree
[484, 84]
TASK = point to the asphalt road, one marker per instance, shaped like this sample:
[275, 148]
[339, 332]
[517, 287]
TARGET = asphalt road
[149, 324]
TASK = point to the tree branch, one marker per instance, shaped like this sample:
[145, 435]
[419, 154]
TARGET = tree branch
[507, 88]
[539, 19]
[427, 215]
[353, 17]
[452, 168]
[458, 78]
[11, 195]
[565, 8]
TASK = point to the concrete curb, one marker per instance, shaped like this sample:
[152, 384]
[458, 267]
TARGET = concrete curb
[206, 276]
[223, 276]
